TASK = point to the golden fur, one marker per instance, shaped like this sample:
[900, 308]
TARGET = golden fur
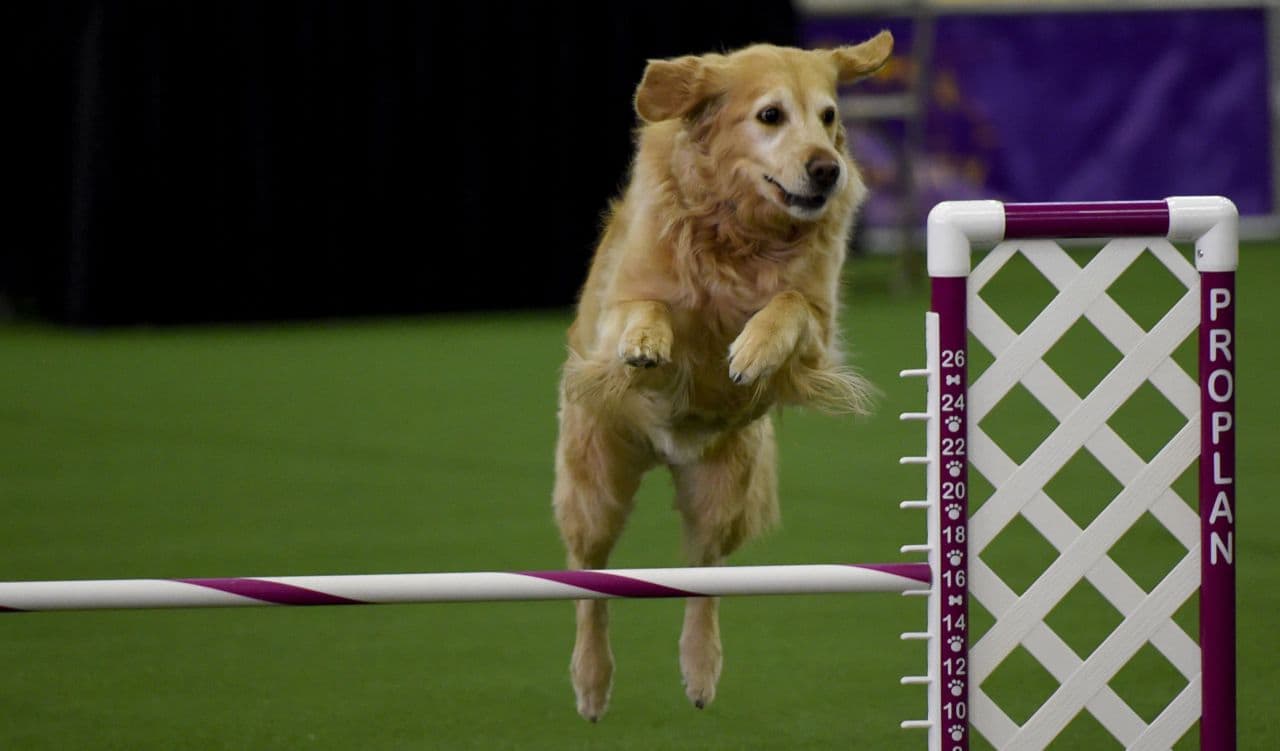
[712, 298]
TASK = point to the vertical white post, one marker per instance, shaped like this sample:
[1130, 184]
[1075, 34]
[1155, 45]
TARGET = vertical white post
[931, 634]
[933, 494]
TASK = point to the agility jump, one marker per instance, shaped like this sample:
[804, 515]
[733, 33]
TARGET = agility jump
[957, 705]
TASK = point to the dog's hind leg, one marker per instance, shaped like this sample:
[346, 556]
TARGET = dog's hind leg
[726, 498]
[597, 473]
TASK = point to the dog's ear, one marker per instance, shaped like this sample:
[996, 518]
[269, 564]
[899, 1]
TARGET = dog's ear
[863, 59]
[672, 88]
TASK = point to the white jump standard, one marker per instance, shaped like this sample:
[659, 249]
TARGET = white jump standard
[956, 539]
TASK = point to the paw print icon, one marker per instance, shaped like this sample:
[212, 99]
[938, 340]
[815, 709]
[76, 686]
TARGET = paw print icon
[953, 467]
[953, 511]
[956, 687]
[953, 424]
[955, 643]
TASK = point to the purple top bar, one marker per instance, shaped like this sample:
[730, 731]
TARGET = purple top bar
[1100, 219]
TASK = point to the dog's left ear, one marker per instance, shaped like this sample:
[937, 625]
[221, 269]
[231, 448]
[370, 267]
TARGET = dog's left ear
[672, 88]
[863, 59]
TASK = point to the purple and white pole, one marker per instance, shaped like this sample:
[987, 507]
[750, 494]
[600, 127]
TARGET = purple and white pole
[479, 586]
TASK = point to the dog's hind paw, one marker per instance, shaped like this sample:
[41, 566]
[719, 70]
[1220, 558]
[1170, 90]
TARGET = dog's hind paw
[592, 675]
[592, 708]
[700, 695]
[700, 670]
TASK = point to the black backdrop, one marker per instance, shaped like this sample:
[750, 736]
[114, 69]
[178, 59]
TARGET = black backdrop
[214, 161]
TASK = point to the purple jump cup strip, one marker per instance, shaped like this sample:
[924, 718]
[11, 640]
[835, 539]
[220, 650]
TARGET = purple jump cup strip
[1217, 511]
[1100, 219]
[917, 571]
[272, 592]
[951, 468]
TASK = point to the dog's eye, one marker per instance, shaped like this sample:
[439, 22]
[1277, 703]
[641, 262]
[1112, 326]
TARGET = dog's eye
[770, 116]
[829, 116]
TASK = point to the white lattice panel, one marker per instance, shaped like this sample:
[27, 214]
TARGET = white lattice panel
[1083, 554]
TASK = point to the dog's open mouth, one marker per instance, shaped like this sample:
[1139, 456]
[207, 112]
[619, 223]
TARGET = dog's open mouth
[809, 203]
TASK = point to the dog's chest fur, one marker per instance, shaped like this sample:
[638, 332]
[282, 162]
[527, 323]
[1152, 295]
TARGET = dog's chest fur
[697, 402]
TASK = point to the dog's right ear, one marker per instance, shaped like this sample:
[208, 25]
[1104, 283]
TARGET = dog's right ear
[863, 59]
[672, 88]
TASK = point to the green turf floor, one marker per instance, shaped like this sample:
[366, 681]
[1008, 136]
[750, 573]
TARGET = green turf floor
[426, 445]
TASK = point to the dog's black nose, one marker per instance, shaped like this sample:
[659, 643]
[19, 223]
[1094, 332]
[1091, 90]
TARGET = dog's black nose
[823, 171]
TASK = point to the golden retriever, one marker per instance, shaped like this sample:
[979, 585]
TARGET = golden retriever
[712, 297]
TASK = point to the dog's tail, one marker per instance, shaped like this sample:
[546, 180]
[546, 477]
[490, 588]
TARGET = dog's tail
[834, 389]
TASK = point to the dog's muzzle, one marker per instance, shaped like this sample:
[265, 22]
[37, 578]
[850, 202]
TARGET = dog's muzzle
[811, 202]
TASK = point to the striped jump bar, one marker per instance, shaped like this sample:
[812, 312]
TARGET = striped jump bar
[379, 589]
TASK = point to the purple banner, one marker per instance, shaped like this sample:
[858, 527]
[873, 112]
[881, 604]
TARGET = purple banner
[1074, 106]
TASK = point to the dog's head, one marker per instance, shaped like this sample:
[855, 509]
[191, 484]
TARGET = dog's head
[762, 124]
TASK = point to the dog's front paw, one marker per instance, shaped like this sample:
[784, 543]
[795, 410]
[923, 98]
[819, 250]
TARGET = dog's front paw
[646, 346]
[758, 351]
